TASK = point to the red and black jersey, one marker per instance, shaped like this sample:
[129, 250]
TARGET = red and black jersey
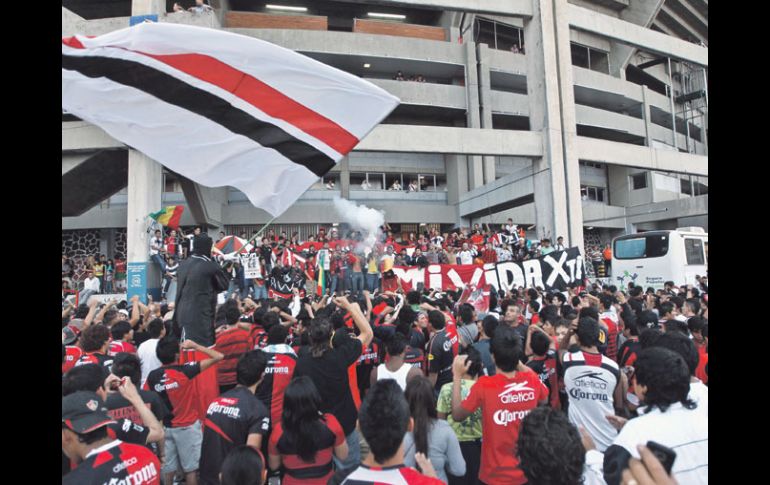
[173, 384]
[73, 355]
[394, 475]
[415, 357]
[94, 358]
[545, 368]
[122, 429]
[441, 353]
[298, 471]
[128, 431]
[370, 356]
[233, 343]
[613, 329]
[257, 337]
[119, 346]
[229, 421]
[117, 463]
[118, 407]
[281, 361]
[629, 351]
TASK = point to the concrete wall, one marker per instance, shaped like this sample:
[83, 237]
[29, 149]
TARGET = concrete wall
[396, 162]
[360, 44]
[428, 94]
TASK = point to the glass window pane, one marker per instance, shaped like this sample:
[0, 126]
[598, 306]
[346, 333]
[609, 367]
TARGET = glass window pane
[579, 55]
[693, 249]
[639, 181]
[641, 247]
[485, 32]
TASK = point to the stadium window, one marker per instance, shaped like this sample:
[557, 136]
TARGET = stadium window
[639, 181]
[579, 55]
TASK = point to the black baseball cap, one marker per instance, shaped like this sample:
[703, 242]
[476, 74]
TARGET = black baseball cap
[83, 412]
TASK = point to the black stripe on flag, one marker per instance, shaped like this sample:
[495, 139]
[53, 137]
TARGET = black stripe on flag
[177, 92]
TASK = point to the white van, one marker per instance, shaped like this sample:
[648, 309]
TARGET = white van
[649, 259]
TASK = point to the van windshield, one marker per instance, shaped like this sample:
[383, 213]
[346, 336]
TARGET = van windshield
[640, 247]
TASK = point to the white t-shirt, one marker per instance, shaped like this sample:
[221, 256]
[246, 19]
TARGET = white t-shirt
[91, 284]
[148, 358]
[684, 430]
[466, 257]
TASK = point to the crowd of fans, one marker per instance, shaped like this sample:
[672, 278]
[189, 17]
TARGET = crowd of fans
[587, 385]
[351, 267]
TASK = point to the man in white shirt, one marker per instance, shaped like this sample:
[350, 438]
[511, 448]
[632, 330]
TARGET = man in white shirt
[511, 227]
[146, 351]
[90, 287]
[662, 382]
[559, 246]
[91, 283]
[466, 255]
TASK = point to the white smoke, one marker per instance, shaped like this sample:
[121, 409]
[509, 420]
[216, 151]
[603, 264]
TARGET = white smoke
[361, 218]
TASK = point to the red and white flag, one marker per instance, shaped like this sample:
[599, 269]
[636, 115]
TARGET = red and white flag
[220, 108]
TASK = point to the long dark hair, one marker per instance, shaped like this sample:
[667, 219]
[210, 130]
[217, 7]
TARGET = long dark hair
[422, 407]
[302, 417]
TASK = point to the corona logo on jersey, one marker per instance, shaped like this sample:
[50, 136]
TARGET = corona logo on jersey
[221, 406]
[503, 416]
[590, 385]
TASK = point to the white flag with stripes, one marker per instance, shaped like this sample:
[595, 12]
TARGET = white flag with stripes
[221, 108]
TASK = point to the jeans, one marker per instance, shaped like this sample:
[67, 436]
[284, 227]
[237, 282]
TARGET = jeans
[157, 258]
[247, 285]
[108, 286]
[333, 284]
[231, 288]
[354, 452]
[372, 282]
[357, 282]
[260, 292]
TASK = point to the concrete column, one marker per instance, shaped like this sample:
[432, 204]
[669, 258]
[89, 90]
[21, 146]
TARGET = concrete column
[646, 116]
[485, 96]
[456, 177]
[147, 7]
[473, 114]
[144, 197]
[345, 177]
[558, 210]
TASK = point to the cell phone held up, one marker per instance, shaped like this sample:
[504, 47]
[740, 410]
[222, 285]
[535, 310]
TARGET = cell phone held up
[664, 454]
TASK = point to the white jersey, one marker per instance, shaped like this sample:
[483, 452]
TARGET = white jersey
[466, 257]
[590, 381]
[399, 376]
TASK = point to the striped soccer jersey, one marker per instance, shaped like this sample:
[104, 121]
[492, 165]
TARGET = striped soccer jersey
[590, 381]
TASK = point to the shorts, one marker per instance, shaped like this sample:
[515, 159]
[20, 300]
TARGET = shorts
[183, 445]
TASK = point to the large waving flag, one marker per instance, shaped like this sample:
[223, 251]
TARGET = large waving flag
[170, 216]
[221, 108]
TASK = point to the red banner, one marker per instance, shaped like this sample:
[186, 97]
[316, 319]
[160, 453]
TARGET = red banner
[441, 276]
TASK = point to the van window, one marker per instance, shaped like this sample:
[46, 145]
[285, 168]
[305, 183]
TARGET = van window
[693, 249]
[641, 247]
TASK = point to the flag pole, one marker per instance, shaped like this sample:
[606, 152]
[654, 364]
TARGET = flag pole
[253, 238]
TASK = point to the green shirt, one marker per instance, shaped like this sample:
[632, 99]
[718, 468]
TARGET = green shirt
[467, 430]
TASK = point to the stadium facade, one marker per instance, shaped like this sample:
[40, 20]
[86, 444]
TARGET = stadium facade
[583, 118]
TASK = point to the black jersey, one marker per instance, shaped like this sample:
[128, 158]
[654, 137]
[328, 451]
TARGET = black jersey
[230, 419]
[118, 463]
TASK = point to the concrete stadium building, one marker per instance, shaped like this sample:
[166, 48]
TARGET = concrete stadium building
[582, 118]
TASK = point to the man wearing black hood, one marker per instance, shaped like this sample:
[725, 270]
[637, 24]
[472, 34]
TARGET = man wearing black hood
[199, 281]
